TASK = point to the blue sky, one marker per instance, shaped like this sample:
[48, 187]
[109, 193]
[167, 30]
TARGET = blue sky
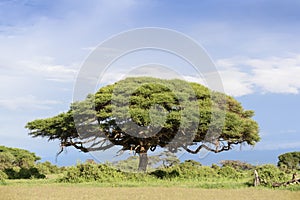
[254, 44]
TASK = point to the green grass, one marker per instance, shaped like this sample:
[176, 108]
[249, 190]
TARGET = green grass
[210, 183]
[213, 188]
[136, 183]
[91, 192]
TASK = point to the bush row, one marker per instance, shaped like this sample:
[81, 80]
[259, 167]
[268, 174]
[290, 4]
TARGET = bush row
[194, 170]
[188, 170]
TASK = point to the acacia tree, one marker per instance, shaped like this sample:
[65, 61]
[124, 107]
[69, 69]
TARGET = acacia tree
[140, 114]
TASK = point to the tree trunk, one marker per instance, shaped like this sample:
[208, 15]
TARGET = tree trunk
[143, 162]
[256, 179]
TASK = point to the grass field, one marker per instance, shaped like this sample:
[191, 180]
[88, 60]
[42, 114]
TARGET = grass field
[49, 189]
[143, 189]
[61, 192]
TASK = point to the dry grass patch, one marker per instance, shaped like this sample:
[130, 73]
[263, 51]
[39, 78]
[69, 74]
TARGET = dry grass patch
[145, 193]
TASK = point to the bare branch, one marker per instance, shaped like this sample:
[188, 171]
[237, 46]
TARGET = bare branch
[224, 148]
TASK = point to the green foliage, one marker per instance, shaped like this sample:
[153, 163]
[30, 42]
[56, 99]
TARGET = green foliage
[23, 173]
[88, 172]
[32, 172]
[289, 160]
[18, 163]
[206, 173]
[215, 166]
[270, 174]
[48, 168]
[10, 157]
[165, 174]
[187, 170]
[190, 163]
[230, 172]
[7, 160]
[3, 176]
[59, 127]
[194, 170]
[236, 164]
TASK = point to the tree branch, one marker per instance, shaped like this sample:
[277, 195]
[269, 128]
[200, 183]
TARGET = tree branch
[224, 148]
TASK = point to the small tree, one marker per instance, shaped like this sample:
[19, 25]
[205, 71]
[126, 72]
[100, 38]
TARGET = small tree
[18, 163]
[269, 174]
[236, 164]
[289, 160]
[15, 157]
[140, 114]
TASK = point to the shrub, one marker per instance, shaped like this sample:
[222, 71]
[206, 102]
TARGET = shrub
[165, 173]
[139, 177]
[229, 172]
[236, 164]
[32, 172]
[186, 170]
[23, 173]
[48, 168]
[3, 176]
[12, 173]
[206, 172]
[215, 167]
[91, 172]
[270, 174]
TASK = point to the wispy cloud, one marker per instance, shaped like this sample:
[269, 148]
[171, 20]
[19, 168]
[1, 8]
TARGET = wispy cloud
[289, 131]
[26, 102]
[243, 75]
[277, 145]
[46, 69]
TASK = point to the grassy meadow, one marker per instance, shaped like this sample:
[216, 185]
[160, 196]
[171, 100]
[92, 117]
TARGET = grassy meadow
[91, 192]
[49, 188]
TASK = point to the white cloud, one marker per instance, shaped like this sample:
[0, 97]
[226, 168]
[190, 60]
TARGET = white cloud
[277, 145]
[44, 68]
[242, 75]
[289, 131]
[195, 79]
[52, 44]
[277, 75]
[26, 102]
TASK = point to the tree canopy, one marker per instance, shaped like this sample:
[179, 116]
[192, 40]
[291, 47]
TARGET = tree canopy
[18, 163]
[143, 113]
[15, 157]
[291, 160]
